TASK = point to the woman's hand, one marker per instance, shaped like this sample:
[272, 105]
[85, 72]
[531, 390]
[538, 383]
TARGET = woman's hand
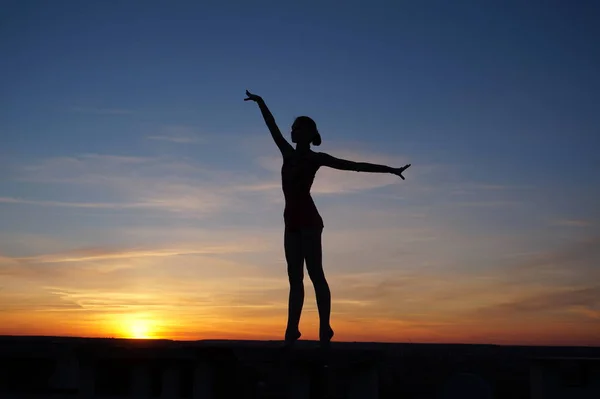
[398, 171]
[252, 97]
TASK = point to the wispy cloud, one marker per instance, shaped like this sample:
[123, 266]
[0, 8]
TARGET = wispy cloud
[7, 261]
[577, 258]
[487, 204]
[139, 183]
[38, 301]
[583, 301]
[174, 185]
[178, 134]
[466, 187]
[83, 168]
[96, 205]
[572, 223]
[101, 111]
[176, 139]
[93, 254]
[120, 279]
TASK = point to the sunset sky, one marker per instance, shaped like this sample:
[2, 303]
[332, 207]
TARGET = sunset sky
[140, 195]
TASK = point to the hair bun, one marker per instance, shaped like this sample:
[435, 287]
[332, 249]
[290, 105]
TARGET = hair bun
[317, 139]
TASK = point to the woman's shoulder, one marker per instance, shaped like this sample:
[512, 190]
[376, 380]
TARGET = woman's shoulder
[320, 157]
[317, 155]
[310, 157]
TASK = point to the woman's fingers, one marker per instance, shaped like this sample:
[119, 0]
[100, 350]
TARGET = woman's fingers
[251, 96]
[402, 169]
[398, 172]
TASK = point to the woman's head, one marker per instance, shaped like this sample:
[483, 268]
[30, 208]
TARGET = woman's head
[304, 131]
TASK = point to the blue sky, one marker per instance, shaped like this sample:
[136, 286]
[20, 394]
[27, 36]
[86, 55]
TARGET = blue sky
[124, 130]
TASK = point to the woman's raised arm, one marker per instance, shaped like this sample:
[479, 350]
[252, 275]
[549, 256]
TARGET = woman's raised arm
[281, 142]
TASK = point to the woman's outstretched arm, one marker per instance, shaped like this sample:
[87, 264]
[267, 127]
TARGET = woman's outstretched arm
[281, 142]
[343, 164]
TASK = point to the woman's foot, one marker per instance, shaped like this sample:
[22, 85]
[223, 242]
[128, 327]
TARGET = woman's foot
[291, 337]
[325, 335]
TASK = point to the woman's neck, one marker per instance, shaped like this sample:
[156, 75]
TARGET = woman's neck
[302, 148]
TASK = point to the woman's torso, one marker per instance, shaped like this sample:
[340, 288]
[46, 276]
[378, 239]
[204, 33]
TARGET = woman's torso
[297, 175]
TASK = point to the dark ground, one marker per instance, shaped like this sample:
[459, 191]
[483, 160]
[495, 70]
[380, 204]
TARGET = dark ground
[240, 367]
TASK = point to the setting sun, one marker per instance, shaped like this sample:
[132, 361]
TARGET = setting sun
[139, 329]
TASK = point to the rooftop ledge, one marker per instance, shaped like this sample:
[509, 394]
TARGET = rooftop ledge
[63, 367]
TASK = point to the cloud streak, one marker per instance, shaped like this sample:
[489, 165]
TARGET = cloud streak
[98, 205]
[101, 111]
[573, 223]
[178, 134]
[173, 185]
[176, 139]
[583, 301]
[103, 254]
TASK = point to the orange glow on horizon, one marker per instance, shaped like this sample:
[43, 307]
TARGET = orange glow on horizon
[230, 324]
[134, 326]
[139, 329]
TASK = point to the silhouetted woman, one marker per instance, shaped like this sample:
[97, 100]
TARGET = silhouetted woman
[303, 224]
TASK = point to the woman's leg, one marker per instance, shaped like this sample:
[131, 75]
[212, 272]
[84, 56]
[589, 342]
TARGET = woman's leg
[295, 268]
[313, 254]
